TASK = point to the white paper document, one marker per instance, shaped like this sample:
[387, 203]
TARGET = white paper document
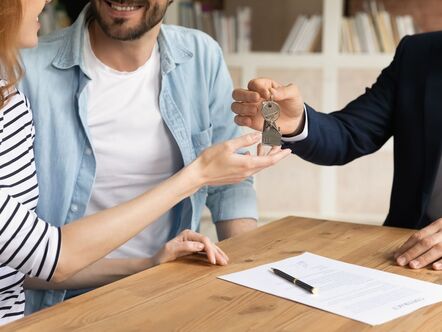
[366, 295]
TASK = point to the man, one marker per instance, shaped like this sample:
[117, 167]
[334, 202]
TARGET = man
[122, 103]
[406, 103]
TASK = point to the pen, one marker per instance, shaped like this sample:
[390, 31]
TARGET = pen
[297, 282]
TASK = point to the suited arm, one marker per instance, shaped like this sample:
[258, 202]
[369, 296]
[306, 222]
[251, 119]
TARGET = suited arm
[361, 128]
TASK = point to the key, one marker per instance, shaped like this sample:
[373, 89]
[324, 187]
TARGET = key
[270, 134]
[270, 111]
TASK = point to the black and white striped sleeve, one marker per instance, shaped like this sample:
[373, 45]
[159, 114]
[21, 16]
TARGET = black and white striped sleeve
[27, 243]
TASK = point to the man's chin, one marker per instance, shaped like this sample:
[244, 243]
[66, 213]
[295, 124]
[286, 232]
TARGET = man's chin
[122, 36]
[124, 33]
[128, 29]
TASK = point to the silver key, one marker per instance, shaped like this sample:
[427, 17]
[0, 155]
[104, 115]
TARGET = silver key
[270, 133]
[270, 111]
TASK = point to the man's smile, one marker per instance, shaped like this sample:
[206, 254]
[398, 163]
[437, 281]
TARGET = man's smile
[125, 6]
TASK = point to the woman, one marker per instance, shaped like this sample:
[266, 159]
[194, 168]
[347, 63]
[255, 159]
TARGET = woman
[28, 245]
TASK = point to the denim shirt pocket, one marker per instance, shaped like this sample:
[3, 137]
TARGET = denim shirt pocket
[202, 140]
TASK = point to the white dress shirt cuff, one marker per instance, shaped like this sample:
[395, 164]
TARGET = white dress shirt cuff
[301, 136]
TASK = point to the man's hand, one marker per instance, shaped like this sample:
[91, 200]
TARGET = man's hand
[422, 248]
[189, 242]
[247, 105]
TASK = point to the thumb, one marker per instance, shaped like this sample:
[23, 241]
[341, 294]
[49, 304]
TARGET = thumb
[245, 141]
[283, 93]
[262, 86]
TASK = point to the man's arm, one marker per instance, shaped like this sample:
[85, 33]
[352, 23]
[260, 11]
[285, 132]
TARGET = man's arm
[229, 228]
[233, 207]
[361, 128]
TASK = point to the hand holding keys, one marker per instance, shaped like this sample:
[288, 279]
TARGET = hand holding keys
[271, 134]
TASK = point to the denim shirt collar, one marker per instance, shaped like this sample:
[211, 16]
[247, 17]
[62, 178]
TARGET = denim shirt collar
[71, 53]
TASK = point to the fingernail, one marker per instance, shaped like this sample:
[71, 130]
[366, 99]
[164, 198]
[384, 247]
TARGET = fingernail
[401, 261]
[214, 261]
[437, 266]
[257, 135]
[414, 264]
[200, 246]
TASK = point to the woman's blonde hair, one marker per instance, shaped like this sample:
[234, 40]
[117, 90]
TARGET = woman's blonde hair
[10, 68]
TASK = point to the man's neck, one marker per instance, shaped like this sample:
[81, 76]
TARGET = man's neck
[122, 55]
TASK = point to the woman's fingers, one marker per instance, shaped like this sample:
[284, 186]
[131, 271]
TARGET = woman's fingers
[274, 150]
[260, 162]
[193, 241]
[263, 150]
[260, 150]
[221, 257]
[243, 141]
[224, 164]
[247, 165]
[222, 253]
[188, 247]
[208, 246]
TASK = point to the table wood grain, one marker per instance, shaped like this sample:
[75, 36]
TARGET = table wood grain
[186, 295]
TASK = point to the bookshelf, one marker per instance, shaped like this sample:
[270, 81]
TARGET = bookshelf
[426, 13]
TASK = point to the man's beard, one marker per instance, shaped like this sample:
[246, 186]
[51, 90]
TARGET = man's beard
[115, 30]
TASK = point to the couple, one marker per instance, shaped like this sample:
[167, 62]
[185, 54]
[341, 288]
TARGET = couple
[118, 58]
[125, 112]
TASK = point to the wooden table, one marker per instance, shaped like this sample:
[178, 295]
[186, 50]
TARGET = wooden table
[186, 295]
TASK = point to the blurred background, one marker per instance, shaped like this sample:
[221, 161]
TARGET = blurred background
[333, 50]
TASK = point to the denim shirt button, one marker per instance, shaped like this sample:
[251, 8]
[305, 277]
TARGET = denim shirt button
[88, 151]
[74, 208]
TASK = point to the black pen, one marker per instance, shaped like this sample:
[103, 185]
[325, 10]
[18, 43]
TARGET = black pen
[297, 282]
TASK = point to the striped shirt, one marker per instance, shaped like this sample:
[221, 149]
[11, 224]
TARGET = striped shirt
[28, 245]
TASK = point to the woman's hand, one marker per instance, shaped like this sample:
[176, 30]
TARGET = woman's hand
[189, 242]
[222, 164]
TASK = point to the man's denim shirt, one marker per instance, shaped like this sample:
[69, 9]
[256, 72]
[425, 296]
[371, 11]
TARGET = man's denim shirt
[195, 103]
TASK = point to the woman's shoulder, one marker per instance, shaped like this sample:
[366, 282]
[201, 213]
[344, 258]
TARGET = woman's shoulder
[14, 98]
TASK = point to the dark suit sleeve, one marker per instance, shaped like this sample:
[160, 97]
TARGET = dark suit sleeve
[361, 128]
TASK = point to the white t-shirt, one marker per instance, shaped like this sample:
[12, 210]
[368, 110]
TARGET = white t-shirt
[133, 148]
